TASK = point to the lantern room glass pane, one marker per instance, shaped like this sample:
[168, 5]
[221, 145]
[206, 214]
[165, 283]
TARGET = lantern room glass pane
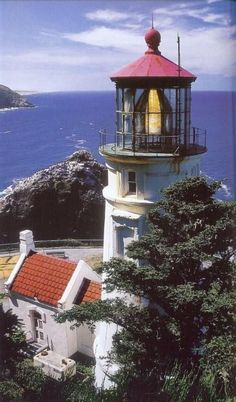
[138, 93]
[119, 98]
[153, 118]
[140, 110]
[119, 121]
[127, 123]
[128, 100]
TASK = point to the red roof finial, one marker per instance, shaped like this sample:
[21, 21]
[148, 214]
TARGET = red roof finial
[153, 39]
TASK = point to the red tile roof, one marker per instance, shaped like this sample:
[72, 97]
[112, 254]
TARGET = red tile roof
[152, 66]
[89, 291]
[44, 277]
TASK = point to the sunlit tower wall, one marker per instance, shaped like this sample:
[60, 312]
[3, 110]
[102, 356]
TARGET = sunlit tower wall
[153, 147]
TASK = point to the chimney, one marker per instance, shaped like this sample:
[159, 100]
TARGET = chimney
[26, 241]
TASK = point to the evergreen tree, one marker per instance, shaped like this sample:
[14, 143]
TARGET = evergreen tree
[12, 341]
[183, 272]
[19, 379]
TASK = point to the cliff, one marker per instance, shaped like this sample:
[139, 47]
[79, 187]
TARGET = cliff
[63, 201]
[10, 99]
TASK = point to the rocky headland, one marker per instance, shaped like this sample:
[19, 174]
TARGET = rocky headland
[60, 202]
[11, 99]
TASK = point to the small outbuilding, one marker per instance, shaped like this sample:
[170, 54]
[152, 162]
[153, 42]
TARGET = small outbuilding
[42, 286]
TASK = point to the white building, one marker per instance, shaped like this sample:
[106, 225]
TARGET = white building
[40, 287]
[154, 147]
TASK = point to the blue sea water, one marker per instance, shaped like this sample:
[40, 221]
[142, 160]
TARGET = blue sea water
[34, 138]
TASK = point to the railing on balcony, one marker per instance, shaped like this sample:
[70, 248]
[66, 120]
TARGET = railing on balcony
[194, 143]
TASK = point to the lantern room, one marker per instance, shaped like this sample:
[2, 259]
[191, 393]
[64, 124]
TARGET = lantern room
[153, 106]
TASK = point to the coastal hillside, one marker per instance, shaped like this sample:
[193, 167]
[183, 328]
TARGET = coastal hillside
[62, 201]
[10, 99]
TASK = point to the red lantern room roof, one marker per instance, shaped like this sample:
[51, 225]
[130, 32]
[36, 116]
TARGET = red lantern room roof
[153, 64]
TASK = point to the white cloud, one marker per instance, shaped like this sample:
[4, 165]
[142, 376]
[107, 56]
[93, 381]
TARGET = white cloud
[213, 1]
[134, 26]
[185, 11]
[106, 15]
[58, 69]
[43, 57]
[60, 57]
[166, 22]
[104, 37]
[61, 61]
[48, 34]
[204, 50]
[207, 50]
[109, 15]
[48, 81]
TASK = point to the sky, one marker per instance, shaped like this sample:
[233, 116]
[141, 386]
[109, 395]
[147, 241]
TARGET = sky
[64, 45]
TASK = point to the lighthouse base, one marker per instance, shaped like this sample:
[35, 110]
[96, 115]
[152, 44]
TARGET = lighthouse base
[104, 369]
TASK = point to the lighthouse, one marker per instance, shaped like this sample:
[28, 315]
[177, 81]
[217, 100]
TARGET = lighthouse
[153, 147]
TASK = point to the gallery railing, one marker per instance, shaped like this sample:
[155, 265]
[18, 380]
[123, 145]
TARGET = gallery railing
[194, 143]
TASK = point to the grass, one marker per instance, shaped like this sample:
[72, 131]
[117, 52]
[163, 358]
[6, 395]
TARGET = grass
[94, 261]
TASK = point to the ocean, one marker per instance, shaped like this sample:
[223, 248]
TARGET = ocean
[63, 122]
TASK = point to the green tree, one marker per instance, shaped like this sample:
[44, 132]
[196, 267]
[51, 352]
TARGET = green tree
[12, 341]
[19, 379]
[183, 270]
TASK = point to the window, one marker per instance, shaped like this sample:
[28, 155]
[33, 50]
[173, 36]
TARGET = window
[132, 182]
[38, 327]
[124, 235]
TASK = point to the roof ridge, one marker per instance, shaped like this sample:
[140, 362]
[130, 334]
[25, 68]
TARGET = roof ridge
[55, 258]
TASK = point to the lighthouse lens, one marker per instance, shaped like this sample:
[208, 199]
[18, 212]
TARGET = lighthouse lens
[153, 113]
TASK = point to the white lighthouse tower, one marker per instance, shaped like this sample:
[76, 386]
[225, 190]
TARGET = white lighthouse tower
[154, 146]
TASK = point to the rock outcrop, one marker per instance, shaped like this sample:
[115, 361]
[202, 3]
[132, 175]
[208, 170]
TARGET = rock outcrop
[63, 201]
[10, 99]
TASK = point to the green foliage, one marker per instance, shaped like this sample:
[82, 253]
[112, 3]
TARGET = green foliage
[80, 387]
[177, 384]
[12, 340]
[19, 380]
[30, 378]
[182, 385]
[10, 391]
[186, 271]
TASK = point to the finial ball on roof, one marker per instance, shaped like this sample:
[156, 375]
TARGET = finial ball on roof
[153, 38]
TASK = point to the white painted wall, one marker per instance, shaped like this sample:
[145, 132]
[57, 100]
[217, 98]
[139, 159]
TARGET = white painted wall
[151, 179]
[125, 217]
[85, 341]
[55, 334]
[152, 175]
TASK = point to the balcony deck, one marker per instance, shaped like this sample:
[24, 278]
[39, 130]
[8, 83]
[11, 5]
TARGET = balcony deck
[153, 146]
